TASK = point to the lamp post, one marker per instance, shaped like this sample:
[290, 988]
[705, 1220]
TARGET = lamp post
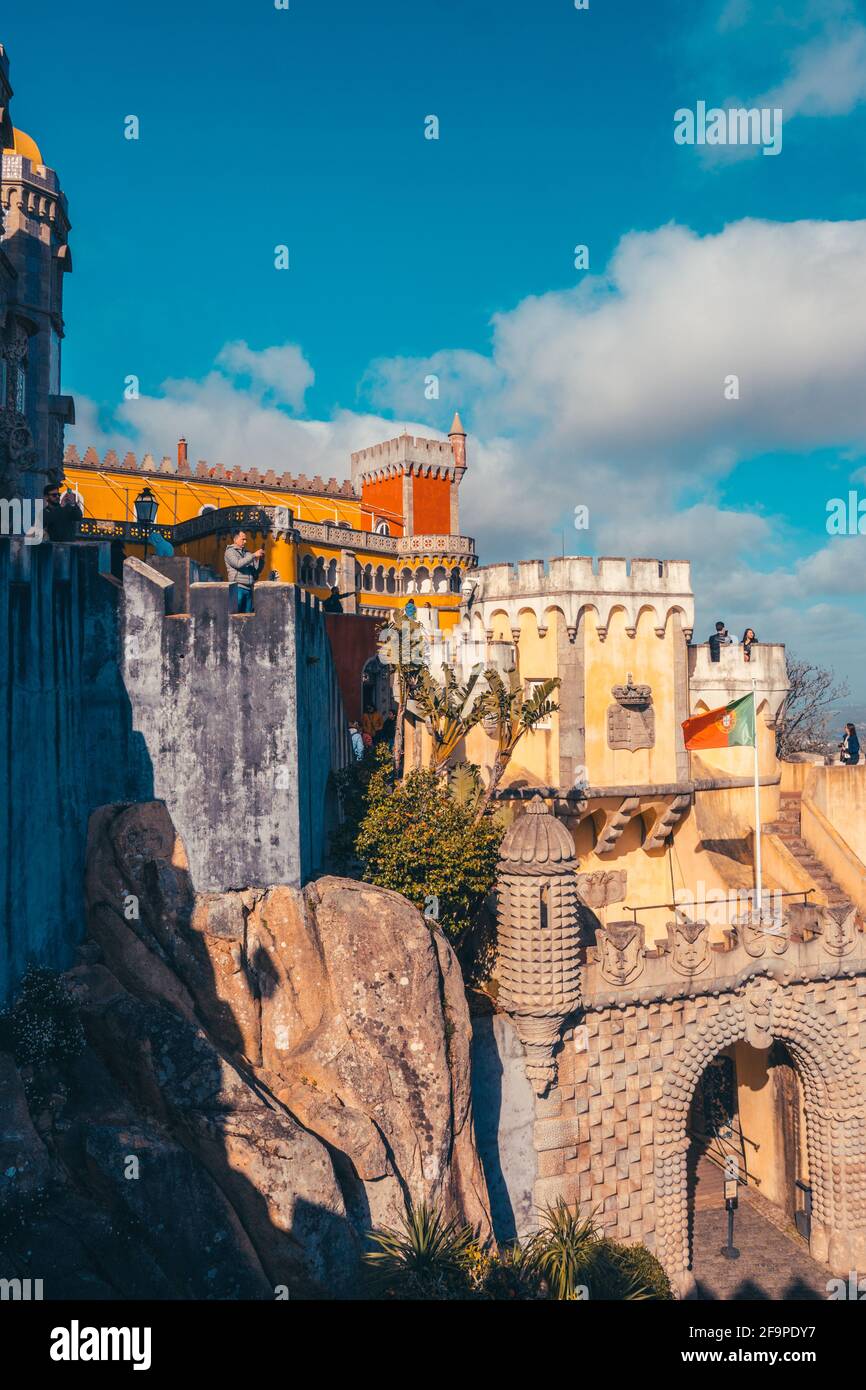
[732, 1185]
[145, 513]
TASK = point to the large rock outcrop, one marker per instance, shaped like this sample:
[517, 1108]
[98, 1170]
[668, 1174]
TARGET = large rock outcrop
[298, 1060]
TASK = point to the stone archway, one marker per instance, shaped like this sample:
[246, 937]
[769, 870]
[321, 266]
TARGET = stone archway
[831, 1077]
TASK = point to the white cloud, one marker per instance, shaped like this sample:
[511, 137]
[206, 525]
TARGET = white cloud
[227, 423]
[827, 78]
[283, 371]
[610, 396]
[635, 363]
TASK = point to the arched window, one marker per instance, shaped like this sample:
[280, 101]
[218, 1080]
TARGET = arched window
[332, 573]
[368, 577]
[440, 580]
[319, 580]
[208, 507]
[391, 581]
[407, 581]
[382, 528]
[380, 579]
[422, 580]
[456, 580]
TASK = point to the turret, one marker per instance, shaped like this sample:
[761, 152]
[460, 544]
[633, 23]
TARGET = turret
[457, 436]
[35, 246]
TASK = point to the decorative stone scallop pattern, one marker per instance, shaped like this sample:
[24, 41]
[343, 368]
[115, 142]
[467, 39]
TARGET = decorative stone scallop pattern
[612, 1135]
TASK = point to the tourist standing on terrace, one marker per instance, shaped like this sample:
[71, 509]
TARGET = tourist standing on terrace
[850, 746]
[720, 638]
[749, 641]
[242, 570]
[60, 516]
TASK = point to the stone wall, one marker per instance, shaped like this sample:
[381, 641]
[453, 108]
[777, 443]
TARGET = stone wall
[244, 720]
[112, 694]
[612, 1135]
[67, 743]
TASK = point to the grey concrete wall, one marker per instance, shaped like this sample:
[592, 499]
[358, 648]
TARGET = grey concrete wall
[504, 1107]
[243, 721]
[67, 744]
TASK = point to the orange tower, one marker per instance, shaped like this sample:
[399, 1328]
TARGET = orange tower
[412, 483]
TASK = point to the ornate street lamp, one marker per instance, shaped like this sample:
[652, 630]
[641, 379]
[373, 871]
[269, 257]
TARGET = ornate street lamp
[146, 507]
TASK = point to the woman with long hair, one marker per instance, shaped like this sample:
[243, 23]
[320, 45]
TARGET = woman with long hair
[850, 746]
[749, 640]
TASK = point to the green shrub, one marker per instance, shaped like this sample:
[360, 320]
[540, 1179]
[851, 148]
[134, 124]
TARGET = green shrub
[428, 1257]
[434, 1259]
[636, 1263]
[416, 838]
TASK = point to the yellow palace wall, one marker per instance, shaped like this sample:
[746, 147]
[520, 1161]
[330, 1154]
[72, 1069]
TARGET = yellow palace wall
[651, 661]
[110, 496]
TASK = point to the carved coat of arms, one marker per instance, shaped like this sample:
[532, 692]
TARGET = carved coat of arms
[631, 722]
[620, 952]
[689, 946]
[840, 931]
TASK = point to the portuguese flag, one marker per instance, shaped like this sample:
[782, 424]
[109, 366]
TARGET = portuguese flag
[731, 726]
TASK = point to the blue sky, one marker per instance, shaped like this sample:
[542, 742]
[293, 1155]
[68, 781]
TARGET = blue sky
[409, 257]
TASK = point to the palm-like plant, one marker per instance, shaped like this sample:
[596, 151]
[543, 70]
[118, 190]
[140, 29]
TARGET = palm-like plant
[450, 710]
[403, 646]
[575, 1261]
[426, 1254]
[508, 714]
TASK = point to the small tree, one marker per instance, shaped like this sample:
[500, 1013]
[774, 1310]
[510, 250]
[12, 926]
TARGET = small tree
[508, 715]
[419, 840]
[802, 726]
[450, 711]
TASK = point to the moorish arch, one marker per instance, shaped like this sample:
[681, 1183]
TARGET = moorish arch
[611, 1134]
[830, 1074]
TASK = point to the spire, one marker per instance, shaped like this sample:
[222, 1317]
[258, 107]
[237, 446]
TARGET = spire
[457, 436]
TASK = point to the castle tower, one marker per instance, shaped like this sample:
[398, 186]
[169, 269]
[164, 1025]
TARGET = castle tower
[415, 481]
[538, 935]
[36, 251]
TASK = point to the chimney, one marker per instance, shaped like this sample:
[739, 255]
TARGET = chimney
[181, 453]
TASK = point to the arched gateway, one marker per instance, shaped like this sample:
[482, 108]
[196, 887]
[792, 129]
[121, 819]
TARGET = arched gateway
[814, 1020]
[610, 1131]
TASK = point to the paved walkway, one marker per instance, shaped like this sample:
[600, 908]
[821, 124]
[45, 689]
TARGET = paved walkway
[773, 1264]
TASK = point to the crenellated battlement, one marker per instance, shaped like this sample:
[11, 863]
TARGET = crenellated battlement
[586, 573]
[147, 466]
[405, 448]
[414, 454]
[574, 583]
[257, 694]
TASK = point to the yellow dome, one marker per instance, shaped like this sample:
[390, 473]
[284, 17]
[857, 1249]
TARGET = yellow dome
[23, 144]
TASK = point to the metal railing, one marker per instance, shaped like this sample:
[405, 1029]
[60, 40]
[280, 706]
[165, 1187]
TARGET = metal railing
[262, 520]
[724, 1144]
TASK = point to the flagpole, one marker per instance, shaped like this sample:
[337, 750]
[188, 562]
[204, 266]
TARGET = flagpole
[759, 895]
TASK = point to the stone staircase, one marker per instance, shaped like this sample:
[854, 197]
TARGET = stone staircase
[787, 827]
